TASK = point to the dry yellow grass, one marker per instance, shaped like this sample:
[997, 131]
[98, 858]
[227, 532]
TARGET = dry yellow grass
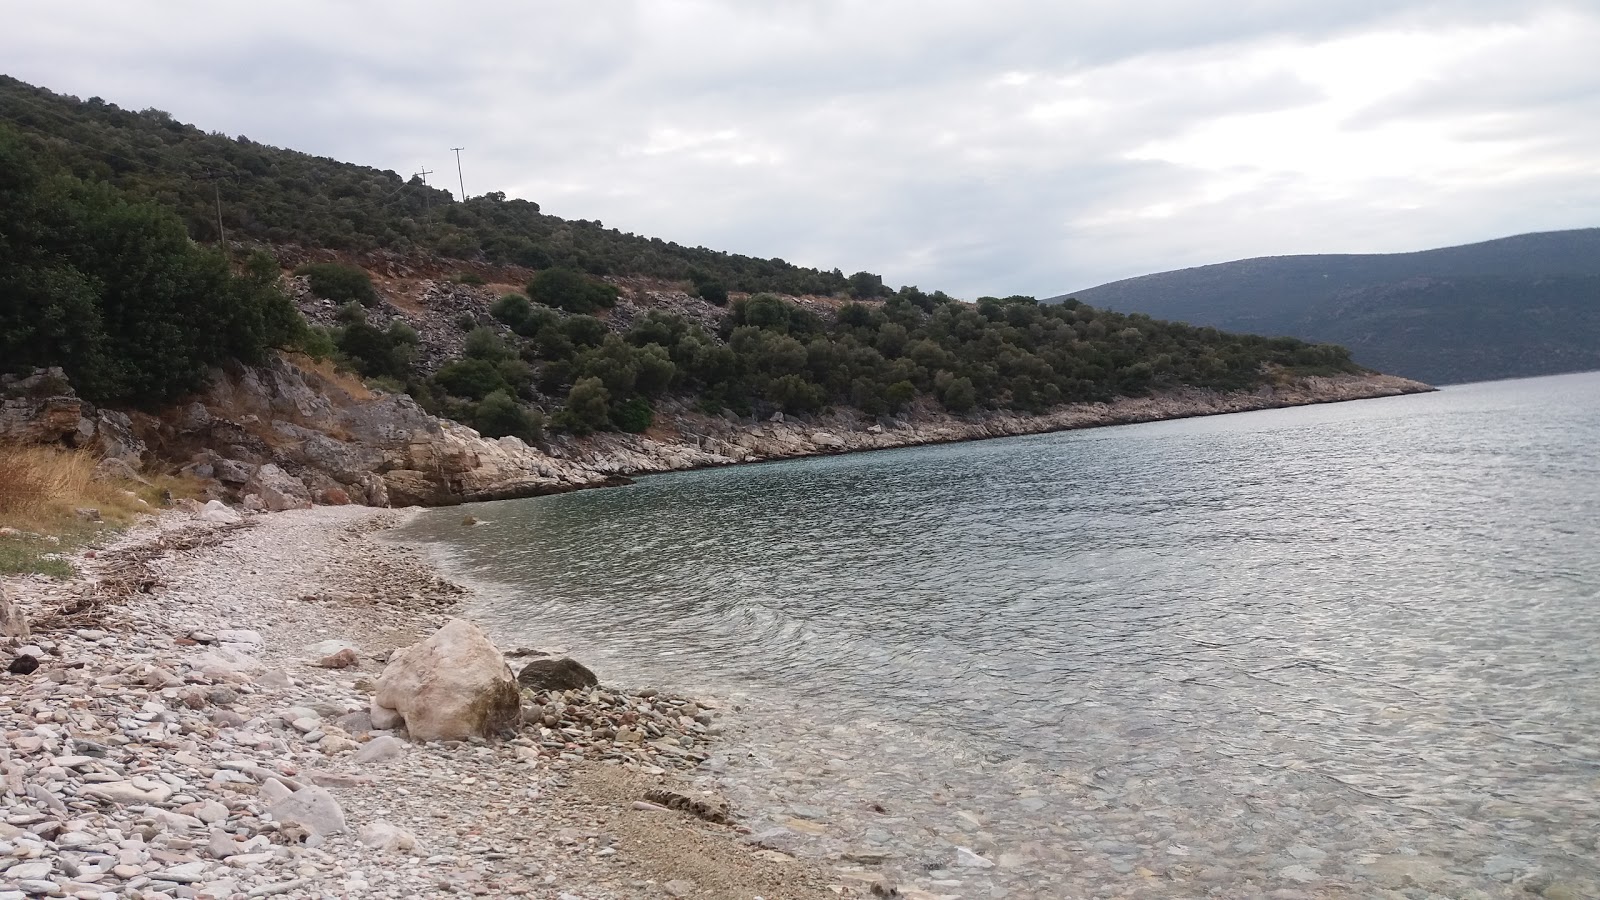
[41, 489]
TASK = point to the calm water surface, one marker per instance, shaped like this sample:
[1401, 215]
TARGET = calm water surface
[1349, 650]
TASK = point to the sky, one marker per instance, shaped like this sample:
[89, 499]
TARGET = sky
[1001, 147]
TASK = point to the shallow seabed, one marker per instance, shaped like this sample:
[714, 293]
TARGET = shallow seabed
[1340, 651]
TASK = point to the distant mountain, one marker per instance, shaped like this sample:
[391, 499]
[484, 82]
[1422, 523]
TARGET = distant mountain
[1516, 306]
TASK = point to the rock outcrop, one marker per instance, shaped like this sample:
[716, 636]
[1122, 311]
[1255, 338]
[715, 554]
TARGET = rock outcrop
[452, 686]
[42, 408]
[288, 434]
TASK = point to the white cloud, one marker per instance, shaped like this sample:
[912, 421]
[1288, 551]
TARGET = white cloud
[1012, 146]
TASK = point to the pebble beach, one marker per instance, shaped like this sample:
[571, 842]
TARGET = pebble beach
[203, 736]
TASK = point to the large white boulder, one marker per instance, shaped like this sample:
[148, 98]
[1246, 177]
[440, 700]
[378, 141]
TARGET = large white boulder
[451, 686]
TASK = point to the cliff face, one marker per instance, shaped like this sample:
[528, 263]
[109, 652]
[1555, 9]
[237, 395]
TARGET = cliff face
[288, 435]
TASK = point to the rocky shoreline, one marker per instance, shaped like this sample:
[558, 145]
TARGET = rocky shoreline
[290, 434]
[187, 728]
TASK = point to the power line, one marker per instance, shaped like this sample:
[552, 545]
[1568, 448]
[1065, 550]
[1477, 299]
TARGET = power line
[460, 180]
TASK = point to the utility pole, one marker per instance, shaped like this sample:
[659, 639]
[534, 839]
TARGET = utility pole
[423, 173]
[222, 233]
[460, 180]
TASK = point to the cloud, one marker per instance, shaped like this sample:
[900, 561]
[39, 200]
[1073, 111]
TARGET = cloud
[1012, 146]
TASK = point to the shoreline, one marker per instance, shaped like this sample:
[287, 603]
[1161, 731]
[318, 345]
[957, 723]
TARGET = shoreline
[460, 466]
[137, 755]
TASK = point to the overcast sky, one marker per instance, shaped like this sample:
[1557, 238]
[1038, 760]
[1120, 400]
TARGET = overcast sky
[996, 147]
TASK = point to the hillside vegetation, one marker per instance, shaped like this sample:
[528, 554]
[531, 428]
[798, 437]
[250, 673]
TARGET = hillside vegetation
[1523, 305]
[272, 195]
[102, 280]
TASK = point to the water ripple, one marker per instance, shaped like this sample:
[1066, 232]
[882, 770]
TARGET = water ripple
[1367, 629]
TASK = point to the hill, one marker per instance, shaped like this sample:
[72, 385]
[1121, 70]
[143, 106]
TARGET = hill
[1516, 306]
[559, 328]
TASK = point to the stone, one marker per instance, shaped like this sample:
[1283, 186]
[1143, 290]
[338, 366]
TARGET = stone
[274, 791]
[563, 674]
[218, 512]
[239, 636]
[452, 686]
[211, 812]
[312, 808]
[387, 838]
[275, 680]
[24, 664]
[971, 860]
[278, 489]
[233, 472]
[33, 870]
[381, 748]
[221, 661]
[328, 648]
[382, 718]
[343, 659]
[114, 469]
[120, 792]
[222, 845]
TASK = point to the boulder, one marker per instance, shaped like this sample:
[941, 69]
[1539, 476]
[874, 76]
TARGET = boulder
[278, 489]
[563, 674]
[218, 512]
[311, 808]
[452, 686]
[113, 469]
[39, 408]
[231, 471]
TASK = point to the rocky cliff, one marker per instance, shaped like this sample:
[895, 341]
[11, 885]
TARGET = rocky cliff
[288, 435]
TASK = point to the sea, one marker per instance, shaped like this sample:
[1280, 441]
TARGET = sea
[1349, 650]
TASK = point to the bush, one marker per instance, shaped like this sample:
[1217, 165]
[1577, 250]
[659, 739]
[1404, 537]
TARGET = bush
[484, 343]
[588, 407]
[472, 377]
[339, 283]
[499, 415]
[378, 354]
[633, 415]
[568, 290]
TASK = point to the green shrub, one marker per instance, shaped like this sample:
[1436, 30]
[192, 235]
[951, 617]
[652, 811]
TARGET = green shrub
[484, 343]
[499, 415]
[339, 283]
[472, 377]
[568, 290]
[317, 342]
[633, 415]
[588, 407]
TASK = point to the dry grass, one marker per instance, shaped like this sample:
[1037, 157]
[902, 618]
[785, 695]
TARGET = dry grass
[41, 489]
[349, 382]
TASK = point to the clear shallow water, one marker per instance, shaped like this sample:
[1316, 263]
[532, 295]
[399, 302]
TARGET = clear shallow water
[1349, 650]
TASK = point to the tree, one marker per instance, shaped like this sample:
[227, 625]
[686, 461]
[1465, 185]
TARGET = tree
[865, 286]
[113, 290]
[588, 407]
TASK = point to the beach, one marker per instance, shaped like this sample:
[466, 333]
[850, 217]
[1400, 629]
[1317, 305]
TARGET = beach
[141, 755]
